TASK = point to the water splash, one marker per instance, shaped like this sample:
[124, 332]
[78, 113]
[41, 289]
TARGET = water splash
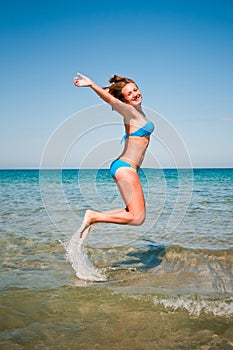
[76, 255]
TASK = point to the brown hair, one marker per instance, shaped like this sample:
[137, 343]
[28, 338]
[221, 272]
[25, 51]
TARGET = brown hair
[118, 83]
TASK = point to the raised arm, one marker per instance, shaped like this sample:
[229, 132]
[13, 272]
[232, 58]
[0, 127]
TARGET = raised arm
[85, 81]
[126, 110]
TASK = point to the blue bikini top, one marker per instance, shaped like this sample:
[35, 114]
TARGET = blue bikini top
[145, 130]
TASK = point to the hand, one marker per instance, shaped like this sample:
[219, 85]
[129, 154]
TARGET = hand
[85, 81]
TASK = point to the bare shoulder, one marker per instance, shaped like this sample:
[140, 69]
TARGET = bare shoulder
[125, 109]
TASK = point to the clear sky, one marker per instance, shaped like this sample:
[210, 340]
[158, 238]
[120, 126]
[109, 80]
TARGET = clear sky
[180, 52]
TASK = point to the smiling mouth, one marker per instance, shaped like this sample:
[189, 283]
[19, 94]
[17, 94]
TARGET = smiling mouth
[137, 98]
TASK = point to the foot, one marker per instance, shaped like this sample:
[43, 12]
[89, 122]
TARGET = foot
[87, 222]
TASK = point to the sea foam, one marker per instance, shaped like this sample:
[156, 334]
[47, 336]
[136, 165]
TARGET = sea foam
[197, 306]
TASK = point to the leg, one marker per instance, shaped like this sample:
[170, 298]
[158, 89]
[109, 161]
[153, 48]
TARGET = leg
[130, 188]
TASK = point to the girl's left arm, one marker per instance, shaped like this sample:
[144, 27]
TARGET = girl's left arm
[126, 110]
[87, 82]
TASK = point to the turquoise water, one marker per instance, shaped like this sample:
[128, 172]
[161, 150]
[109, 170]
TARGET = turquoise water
[164, 285]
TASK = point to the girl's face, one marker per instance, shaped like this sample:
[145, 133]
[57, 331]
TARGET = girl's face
[132, 94]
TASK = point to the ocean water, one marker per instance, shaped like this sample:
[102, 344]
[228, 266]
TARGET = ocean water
[164, 285]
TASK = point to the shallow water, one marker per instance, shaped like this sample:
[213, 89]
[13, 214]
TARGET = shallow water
[93, 317]
[165, 285]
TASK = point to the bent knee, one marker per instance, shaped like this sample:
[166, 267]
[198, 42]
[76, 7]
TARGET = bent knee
[139, 220]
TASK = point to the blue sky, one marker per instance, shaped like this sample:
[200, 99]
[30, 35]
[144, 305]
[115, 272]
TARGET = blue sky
[179, 52]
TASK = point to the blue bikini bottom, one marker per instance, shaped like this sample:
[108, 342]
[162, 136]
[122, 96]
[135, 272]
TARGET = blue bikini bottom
[118, 163]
